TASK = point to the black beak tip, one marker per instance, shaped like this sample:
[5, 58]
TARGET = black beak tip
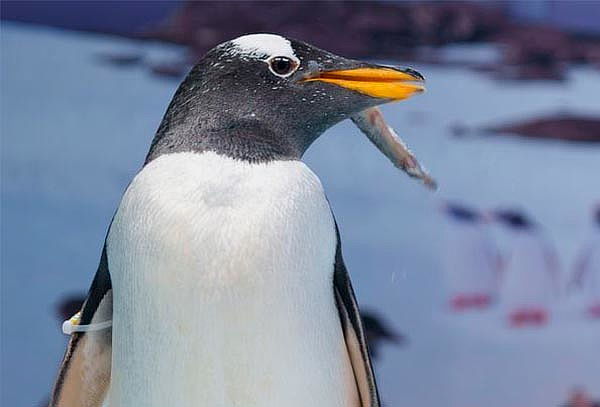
[414, 73]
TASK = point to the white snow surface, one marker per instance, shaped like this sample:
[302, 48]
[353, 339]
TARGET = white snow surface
[75, 131]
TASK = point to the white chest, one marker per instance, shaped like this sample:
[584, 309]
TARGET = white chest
[222, 283]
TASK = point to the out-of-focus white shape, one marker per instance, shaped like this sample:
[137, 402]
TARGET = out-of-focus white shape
[586, 274]
[530, 280]
[471, 264]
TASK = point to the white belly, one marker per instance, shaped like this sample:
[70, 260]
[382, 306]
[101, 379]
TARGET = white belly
[222, 285]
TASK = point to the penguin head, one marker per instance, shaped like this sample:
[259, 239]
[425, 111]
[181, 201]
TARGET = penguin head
[462, 213]
[514, 219]
[262, 97]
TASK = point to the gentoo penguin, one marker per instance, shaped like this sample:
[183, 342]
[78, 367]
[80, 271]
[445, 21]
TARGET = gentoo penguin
[377, 331]
[471, 259]
[222, 269]
[586, 271]
[530, 280]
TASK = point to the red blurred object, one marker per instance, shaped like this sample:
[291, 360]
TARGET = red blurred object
[594, 310]
[528, 316]
[463, 302]
[580, 398]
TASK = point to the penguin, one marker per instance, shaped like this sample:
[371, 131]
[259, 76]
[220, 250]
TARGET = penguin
[378, 331]
[472, 263]
[221, 281]
[531, 278]
[586, 270]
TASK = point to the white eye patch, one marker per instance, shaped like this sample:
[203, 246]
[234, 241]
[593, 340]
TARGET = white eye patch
[264, 47]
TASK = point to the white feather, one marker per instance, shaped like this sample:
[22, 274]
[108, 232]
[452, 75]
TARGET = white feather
[222, 285]
[264, 46]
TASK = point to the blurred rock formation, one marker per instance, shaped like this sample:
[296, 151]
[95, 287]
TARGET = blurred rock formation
[385, 30]
[559, 127]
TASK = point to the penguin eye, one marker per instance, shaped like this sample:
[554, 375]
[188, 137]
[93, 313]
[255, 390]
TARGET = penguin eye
[282, 66]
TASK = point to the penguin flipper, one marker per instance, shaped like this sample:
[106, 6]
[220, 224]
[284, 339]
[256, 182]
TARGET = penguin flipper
[354, 334]
[84, 374]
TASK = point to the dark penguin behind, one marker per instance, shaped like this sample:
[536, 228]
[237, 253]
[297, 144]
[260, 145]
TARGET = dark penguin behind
[515, 220]
[461, 213]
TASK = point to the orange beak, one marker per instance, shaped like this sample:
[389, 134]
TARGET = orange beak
[377, 82]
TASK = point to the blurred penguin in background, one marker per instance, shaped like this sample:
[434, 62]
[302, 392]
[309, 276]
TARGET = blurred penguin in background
[578, 397]
[530, 281]
[471, 260]
[69, 305]
[378, 331]
[586, 273]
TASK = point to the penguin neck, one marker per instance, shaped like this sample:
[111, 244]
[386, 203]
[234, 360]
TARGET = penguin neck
[240, 140]
[231, 129]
